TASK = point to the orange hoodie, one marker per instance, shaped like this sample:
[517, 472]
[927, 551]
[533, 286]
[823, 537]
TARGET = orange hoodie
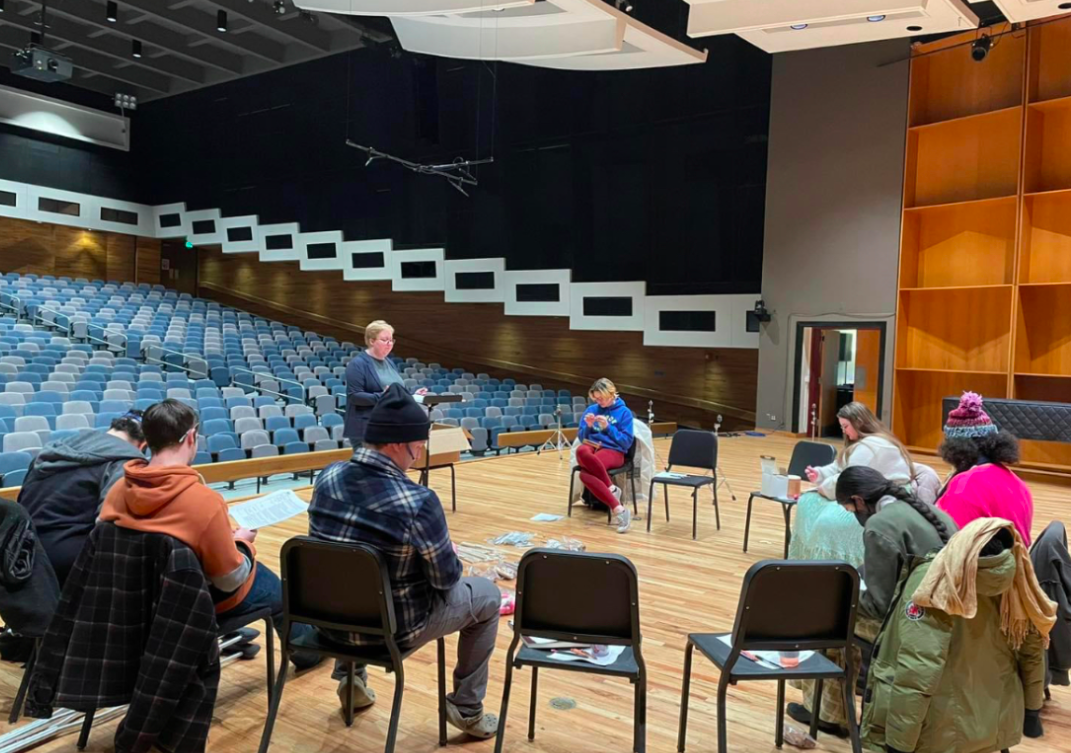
[175, 501]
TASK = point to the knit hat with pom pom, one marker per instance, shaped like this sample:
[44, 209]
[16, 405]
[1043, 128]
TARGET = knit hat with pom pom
[969, 420]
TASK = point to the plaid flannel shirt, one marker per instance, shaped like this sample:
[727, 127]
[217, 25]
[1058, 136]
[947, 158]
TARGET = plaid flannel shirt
[368, 499]
[136, 625]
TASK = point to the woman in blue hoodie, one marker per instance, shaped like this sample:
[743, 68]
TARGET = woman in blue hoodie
[606, 437]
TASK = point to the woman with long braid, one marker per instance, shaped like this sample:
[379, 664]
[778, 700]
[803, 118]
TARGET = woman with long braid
[896, 526]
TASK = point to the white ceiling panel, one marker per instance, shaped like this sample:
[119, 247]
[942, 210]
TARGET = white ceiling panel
[930, 17]
[394, 8]
[1029, 10]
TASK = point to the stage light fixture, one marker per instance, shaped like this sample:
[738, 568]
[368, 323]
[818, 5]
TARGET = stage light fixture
[624, 5]
[798, 27]
[980, 48]
[112, 13]
[135, 48]
[126, 101]
[279, 7]
[221, 21]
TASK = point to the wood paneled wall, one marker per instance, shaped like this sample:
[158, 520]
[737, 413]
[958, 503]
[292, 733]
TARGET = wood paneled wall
[690, 385]
[47, 249]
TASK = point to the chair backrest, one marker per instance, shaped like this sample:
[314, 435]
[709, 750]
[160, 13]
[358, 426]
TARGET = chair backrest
[695, 449]
[795, 605]
[365, 606]
[810, 453]
[578, 596]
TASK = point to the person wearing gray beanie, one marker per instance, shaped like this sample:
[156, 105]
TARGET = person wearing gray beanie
[369, 499]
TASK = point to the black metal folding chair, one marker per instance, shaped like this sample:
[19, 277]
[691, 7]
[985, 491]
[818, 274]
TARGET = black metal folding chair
[362, 605]
[580, 598]
[629, 467]
[694, 449]
[785, 605]
[803, 454]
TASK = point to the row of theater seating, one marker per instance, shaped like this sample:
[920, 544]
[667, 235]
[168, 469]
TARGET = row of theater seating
[262, 388]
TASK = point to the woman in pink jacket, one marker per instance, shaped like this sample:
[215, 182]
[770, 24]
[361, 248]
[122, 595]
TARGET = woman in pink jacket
[982, 483]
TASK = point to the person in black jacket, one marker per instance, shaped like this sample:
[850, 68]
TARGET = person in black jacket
[67, 484]
[1052, 564]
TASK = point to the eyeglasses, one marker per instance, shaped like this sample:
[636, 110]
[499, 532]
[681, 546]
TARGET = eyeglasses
[386, 342]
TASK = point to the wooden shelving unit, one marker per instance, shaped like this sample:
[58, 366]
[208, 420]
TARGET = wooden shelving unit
[985, 257]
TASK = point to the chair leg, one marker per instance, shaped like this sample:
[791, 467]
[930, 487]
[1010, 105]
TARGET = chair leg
[442, 692]
[632, 485]
[396, 708]
[787, 509]
[665, 494]
[747, 520]
[650, 501]
[717, 512]
[723, 689]
[269, 629]
[348, 711]
[453, 489]
[640, 735]
[848, 693]
[535, 699]
[273, 705]
[779, 733]
[506, 687]
[695, 513]
[20, 696]
[682, 732]
[572, 481]
[816, 708]
[87, 724]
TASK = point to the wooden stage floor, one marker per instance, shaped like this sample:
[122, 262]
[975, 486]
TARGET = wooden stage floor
[686, 586]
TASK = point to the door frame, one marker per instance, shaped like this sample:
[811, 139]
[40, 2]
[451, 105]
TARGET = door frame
[880, 326]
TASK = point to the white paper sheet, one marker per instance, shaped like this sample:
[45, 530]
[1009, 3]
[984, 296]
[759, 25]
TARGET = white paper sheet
[604, 660]
[268, 510]
[670, 474]
[768, 659]
[546, 517]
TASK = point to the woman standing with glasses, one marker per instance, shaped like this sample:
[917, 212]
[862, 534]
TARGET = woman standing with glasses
[368, 376]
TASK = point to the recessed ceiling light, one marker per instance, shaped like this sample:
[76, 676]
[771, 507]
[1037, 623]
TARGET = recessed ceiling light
[798, 27]
[111, 11]
[914, 28]
[135, 48]
[875, 19]
[1064, 6]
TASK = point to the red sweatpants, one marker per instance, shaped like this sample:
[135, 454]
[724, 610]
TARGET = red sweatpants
[594, 464]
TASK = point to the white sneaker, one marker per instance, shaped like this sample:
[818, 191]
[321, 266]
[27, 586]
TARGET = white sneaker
[616, 491]
[624, 520]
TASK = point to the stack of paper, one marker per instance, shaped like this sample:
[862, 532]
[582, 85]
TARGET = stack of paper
[268, 510]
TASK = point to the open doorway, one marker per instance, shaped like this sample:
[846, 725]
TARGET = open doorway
[836, 363]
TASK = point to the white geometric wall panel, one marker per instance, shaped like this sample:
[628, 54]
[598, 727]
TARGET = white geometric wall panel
[537, 292]
[551, 29]
[1019, 11]
[239, 234]
[620, 306]
[417, 270]
[170, 220]
[475, 281]
[320, 251]
[607, 305]
[366, 260]
[784, 25]
[643, 47]
[204, 227]
[279, 242]
[407, 7]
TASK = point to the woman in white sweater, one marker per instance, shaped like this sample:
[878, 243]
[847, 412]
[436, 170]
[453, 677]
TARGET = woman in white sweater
[866, 442]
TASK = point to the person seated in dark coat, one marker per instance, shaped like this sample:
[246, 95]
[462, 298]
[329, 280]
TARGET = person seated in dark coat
[368, 376]
[68, 481]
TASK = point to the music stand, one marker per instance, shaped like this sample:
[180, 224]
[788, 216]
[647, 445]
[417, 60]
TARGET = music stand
[431, 400]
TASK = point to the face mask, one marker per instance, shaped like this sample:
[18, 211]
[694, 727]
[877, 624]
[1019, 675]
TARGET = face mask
[863, 517]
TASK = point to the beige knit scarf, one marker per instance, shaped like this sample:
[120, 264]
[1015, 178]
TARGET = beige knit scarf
[951, 583]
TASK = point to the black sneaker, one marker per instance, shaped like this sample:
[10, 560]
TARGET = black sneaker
[800, 713]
